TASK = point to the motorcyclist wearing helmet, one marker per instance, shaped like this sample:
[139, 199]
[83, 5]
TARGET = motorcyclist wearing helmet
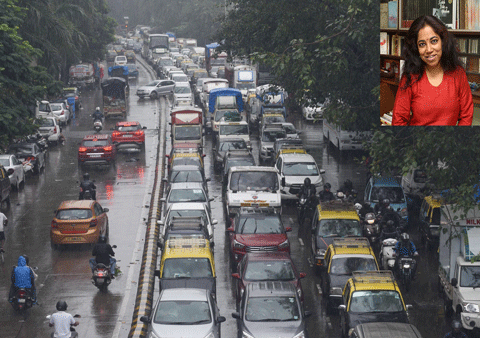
[22, 278]
[326, 194]
[389, 230]
[307, 190]
[62, 321]
[103, 253]
[366, 208]
[456, 330]
[381, 208]
[87, 185]
[405, 248]
[347, 187]
[97, 114]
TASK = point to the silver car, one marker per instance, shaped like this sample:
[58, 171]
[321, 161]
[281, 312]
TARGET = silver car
[17, 177]
[184, 312]
[156, 88]
[186, 192]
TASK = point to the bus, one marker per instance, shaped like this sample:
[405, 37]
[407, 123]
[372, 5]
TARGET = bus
[159, 42]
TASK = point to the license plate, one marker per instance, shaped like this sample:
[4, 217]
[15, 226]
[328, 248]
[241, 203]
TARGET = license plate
[127, 135]
[100, 280]
[75, 239]
[21, 300]
[95, 155]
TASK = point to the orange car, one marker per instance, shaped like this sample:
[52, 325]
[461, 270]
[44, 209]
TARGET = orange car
[78, 222]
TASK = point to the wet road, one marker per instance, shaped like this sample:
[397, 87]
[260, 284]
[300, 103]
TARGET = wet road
[125, 190]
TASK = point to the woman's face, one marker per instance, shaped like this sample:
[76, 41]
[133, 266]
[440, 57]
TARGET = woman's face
[429, 46]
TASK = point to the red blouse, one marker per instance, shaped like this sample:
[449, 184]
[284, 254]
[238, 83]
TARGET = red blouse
[445, 105]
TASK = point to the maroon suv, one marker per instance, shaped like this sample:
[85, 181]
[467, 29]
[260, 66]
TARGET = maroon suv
[97, 149]
[257, 229]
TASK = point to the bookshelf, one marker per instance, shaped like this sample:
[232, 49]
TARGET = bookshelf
[461, 16]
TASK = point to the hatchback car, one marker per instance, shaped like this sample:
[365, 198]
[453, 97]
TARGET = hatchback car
[14, 168]
[156, 88]
[271, 309]
[128, 134]
[97, 149]
[187, 173]
[61, 112]
[78, 222]
[49, 128]
[222, 146]
[186, 193]
[269, 134]
[120, 60]
[386, 187]
[183, 95]
[184, 312]
[132, 70]
[73, 91]
[28, 152]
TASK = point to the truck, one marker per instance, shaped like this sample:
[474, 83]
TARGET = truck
[114, 93]
[214, 60]
[459, 264]
[223, 101]
[272, 99]
[187, 125]
[242, 77]
[82, 76]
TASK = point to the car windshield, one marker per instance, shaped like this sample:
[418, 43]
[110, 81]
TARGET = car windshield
[219, 114]
[269, 270]
[71, 214]
[376, 301]
[394, 194]
[233, 130]
[182, 313]
[259, 225]
[21, 149]
[272, 309]
[132, 127]
[187, 267]
[225, 146]
[182, 89]
[239, 163]
[346, 265]
[338, 228]
[187, 195]
[470, 276]
[254, 180]
[188, 133]
[187, 213]
[190, 160]
[211, 85]
[289, 129]
[300, 169]
[272, 135]
[93, 143]
[186, 176]
[165, 62]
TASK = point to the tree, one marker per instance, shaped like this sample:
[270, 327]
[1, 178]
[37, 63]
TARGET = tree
[317, 49]
[448, 155]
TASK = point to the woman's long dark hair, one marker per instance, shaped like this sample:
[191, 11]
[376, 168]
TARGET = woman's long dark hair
[413, 63]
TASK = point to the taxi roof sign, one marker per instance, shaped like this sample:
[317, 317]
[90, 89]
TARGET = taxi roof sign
[336, 205]
[182, 243]
[351, 242]
[369, 277]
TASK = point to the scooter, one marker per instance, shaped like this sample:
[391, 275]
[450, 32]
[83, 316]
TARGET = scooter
[97, 125]
[102, 276]
[387, 254]
[305, 209]
[22, 301]
[87, 194]
[371, 230]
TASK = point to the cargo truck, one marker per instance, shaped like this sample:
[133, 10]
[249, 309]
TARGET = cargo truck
[114, 93]
[242, 77]
[187, 126]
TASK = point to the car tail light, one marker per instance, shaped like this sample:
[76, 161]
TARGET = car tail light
[55, 130]
[31, 158]
[108, 148]
[115, 134]
[54, 224]
[62, 113]
[82, 149]
[93, 223]
[139, 133]
[22, 293]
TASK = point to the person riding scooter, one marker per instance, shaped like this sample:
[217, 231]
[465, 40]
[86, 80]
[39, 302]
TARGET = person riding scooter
[308, 191]
[405, 248]
[381, 208]
[22, 278]
[87, 185]
[62, 321]
[456, 330]
[389, 230]
[103, 252]
[97, 114]
[326, 194]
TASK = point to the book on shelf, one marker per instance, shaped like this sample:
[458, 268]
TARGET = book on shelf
[462, 45]
[384, 43]
[392, 14]
[396, 50]
[445, 10]
[473, 46]
[384, 15]
[471, 9]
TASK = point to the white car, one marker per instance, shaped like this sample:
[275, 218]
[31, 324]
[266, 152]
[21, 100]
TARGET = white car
[120, 60]
[311, 112]
[49, 128]
[183, 95]
[17, 177]
[61, 111]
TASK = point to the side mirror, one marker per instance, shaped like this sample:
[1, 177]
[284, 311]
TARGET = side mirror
[288, 229]
[160, 245]
[283, 181]
[302, 275]
[322, 171]
[163, 200]
[214, 222]
[409, 307]
[144, 319]
[221, 319]
[160, 222]
[211, 199]
[157, 273]
[208, 179]
[144, 127]
[167, 155]
[236, 315]
[236, 275]
[114, 246]
[164, 180]
[106, 210]
[454, 282]
[307, 314]
[230, 229]
[342, 307]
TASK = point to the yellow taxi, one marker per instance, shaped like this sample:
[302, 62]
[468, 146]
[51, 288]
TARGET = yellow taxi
[187, 262]
[185, 154]
[332, 219]
[268, 118]
[343, 257]
[429, 221]
[78, 222]
[371, 296]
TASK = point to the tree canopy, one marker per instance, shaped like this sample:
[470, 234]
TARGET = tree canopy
[317, 49]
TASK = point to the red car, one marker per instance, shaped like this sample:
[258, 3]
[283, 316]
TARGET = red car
[97, 149]
[267, 266]
[257, 229]
[128, 135]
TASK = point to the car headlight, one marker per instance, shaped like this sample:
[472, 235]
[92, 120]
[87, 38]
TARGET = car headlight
[210, 335]
[237, 245]
[300, 335]
[284, 245]
[246, 335]
[470, 307]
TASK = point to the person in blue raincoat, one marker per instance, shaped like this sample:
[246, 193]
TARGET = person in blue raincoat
[22, 277]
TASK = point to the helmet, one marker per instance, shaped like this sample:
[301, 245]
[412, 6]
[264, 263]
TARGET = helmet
[327, 186]
[370, 218]
[390, 224]
[348, 184]
[405, 237]
[102, 239]
[62, 305]
[307, 182]
[97, 109]
[358, 206]
[386, 202]
[340, 195]
[86, 176]
[456, 325]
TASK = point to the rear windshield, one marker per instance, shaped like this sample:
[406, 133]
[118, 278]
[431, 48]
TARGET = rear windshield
[128, 128]
[186, 176]
[46, 123]
[187, 195]
[187, 267]
[254, 180]
[97, 143]
[69, 214]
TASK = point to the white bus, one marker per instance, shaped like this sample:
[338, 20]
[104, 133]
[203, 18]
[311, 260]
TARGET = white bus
[158, 42]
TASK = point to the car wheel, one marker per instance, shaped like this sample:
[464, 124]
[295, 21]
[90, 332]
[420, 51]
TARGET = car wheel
[154, 95]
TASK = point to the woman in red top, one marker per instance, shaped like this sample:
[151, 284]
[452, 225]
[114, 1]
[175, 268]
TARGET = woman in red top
[434, 89]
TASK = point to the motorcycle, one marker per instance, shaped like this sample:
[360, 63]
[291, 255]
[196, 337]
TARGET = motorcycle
[87, 194]
[387, 254]
[405, 271]
[22, 301]
[102, 276]
[97, 125]
[305, 209]
[371, 230]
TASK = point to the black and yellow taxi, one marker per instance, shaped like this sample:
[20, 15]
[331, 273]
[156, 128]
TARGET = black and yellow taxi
[429, 221]
[187, 263]
[371, 296]
[343, 257]
[330, 220]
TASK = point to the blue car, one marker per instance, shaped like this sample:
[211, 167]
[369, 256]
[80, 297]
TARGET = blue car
[132, 70]
[386, 187]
